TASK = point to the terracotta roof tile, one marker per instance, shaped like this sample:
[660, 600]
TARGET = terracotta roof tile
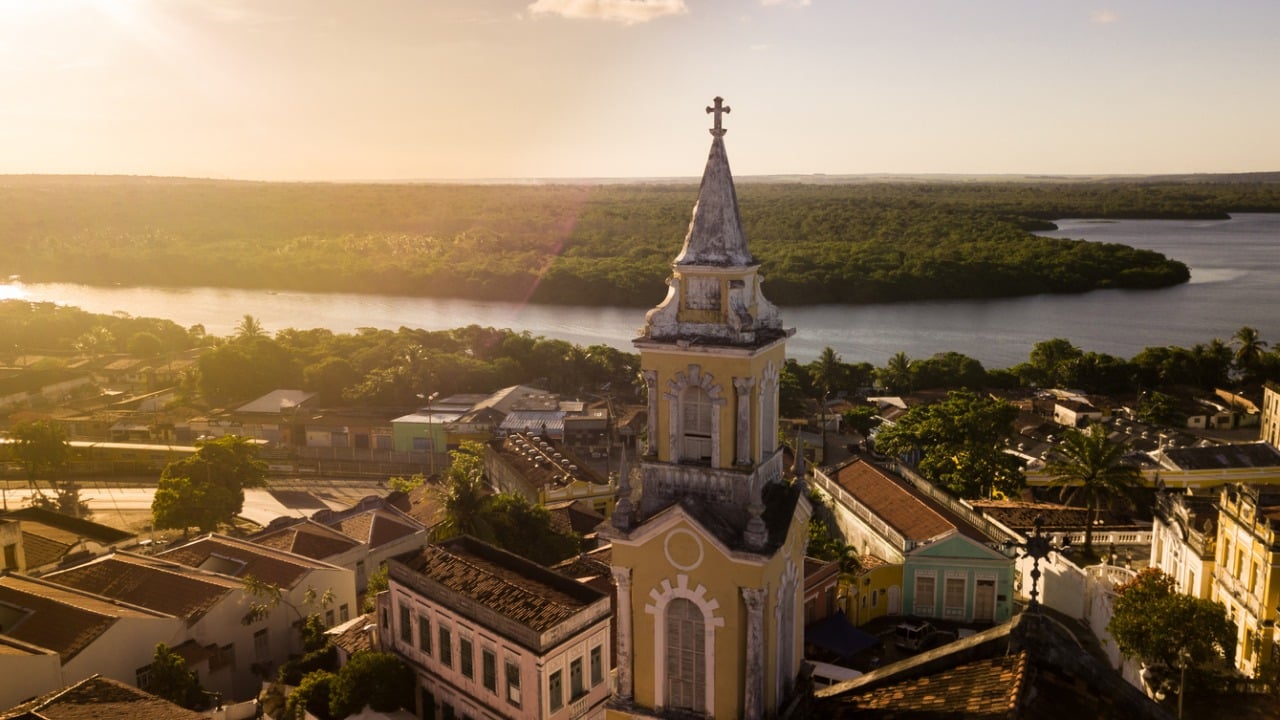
[242, 558]
[905, 509]
[307, 539]
[984, 689]
[507, 584]
[59, 619]
[166, 587]
[41, 551]
[99, 698]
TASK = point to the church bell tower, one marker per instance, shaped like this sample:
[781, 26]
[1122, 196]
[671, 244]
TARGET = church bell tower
[709, 559]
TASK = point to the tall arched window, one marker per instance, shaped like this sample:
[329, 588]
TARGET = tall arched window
[686, 657]
[696, 408]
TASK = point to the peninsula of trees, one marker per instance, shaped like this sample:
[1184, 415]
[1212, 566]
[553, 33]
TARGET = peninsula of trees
[592, 244]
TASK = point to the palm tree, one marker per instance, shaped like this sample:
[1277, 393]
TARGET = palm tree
[463, 497]
[826, 371]
[1094, 467]
[1249, 350]
[896, 374]
[249, 328]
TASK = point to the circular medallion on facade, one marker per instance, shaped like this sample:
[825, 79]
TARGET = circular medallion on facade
[683, 549]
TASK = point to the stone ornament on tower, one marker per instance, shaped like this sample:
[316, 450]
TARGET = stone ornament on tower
[719, 109]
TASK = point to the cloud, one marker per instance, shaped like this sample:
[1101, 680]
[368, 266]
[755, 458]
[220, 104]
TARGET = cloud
[1103, 17]
[759, 48]
[792, 3]
[623, 11]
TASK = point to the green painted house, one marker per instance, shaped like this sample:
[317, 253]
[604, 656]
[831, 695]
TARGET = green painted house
[959, 579]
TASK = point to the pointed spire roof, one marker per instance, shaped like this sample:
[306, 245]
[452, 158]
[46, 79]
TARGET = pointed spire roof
[715, 234]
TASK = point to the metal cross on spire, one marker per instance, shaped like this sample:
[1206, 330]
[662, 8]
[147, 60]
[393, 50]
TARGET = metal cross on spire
[719, 109]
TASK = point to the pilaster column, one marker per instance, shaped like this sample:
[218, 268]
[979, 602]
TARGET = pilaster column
[651, 393]
[622, 579]
[753, 698]
[743, 386]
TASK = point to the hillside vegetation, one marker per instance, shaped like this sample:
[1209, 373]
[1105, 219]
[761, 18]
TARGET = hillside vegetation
[613, 244]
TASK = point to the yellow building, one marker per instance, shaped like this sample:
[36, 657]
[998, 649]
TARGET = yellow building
[709, 562]
[1246, 575]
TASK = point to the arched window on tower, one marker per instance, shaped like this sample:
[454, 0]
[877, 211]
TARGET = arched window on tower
[696, 407]
[686, 657]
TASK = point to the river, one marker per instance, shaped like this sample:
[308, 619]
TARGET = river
[1234, 265]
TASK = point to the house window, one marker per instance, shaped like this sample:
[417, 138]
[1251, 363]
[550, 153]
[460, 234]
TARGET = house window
[447, 711]
[697, 408]
[489, 670]
[406, 625]
[142, 677]
[926, 594]
[466, 658]
[686, 666]
[344, 613]
[555, 695]
[424, 634]
[261, 646]
[428, 705]
[953, 597]
[446, 647]
[11, 555]
[875, 598]
[513, 683]
[576, 687]
[597, 666]
[328, 618]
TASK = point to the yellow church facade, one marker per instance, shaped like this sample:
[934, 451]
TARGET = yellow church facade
[708, 558]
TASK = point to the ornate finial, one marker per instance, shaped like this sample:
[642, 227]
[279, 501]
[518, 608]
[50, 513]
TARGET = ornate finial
[719, 109]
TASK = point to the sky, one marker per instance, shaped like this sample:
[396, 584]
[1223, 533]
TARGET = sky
[558, 89]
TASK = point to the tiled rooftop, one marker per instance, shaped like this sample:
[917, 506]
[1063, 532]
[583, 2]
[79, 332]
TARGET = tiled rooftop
[987, 688]
[166, 587]
[60, 619]
[99, 698]
[242, 558]
[306, 538]
[1222, 457]
[901, 506]
[504, 583]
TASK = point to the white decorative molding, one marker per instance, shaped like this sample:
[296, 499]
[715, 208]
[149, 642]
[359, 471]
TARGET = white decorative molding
[768, 401]
[651, 393]
[785, 619]
[622, 579]
[753, 692]
[710, 607]
[676, 387]
[666, 549]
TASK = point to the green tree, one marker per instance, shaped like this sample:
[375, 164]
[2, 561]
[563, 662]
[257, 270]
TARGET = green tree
[170, 679]
[896, 376]
[1089, 466]
[379, 581]
[314, 695]
[959, 444]
[206, 489]
[526, 530]
[1050, 362]
[379, 680]
[145, 345]
[42, 446]
[1158, 408]
[827, 372]
[463, 495]
[1155, 623]
[249, 328]
[863, 418]
[1250, 349]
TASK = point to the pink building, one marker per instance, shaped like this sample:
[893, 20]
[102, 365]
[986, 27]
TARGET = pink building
[492, 635]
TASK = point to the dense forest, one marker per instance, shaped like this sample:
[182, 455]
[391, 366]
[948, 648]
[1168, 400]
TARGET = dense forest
[385, 368]
[587, 244]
